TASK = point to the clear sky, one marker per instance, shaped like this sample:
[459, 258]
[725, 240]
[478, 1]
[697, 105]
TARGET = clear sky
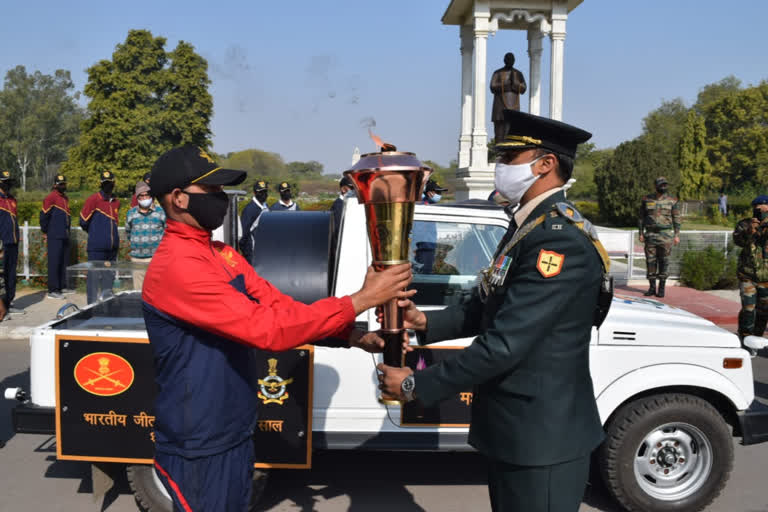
[299, 77]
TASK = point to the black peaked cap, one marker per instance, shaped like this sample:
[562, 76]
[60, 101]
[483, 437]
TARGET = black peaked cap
[528, 131]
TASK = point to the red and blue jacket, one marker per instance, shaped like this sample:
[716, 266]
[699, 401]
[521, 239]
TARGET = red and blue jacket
[9, 224]
[55, 218]
[205, 310]
[99, 217]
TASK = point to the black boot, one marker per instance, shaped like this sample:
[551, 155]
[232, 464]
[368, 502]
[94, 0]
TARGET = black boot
[660, 292]
[651, 289]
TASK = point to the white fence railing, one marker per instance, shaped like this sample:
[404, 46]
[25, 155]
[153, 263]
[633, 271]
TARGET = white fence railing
[628, 255]
[623, 246]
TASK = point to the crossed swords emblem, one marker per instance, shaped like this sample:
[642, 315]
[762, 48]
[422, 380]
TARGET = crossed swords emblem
[104, 377]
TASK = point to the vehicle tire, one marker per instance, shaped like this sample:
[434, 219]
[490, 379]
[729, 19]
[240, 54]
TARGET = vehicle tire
[665, 453]
[151, 496]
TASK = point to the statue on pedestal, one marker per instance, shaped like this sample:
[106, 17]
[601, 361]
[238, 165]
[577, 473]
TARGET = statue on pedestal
[507, 84]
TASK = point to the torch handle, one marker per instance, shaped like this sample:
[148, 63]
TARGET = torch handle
[393, 348]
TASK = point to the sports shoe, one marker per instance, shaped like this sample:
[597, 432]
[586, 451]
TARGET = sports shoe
[16, 311]
[55, 295]
[67, 291]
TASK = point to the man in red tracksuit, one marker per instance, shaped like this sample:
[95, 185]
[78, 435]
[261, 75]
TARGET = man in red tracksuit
[205, 311]
[99, 218]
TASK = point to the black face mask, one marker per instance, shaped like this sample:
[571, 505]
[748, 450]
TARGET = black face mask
[107, 187]
[661, 189]
[61, 188]
[5, 187]
[261, 196]
[208, 209]
[285, 195]
[759, 214]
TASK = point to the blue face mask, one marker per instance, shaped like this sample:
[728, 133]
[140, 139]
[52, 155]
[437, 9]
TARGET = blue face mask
[432, 200]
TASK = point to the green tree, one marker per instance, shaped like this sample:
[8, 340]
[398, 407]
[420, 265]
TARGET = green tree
[39, 120]
[624, 178]
[712, 93]
[737, 130]
[696, 177]
[662, 130]
[305, 170]
[144, 101]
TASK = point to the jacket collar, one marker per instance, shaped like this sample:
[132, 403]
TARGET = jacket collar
[539, 205]
[176, 228]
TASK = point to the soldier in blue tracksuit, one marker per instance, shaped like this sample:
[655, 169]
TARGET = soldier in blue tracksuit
[9, 234]
[249, 217]
[286, 201]
[55, 222]
[99, 218]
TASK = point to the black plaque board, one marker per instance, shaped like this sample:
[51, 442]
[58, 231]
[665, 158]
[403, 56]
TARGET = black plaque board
[284, 428]
[105, 393]
[455, 411]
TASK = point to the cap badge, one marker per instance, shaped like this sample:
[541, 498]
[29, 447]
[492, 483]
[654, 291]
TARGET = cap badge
[206, 156]
[105, 174]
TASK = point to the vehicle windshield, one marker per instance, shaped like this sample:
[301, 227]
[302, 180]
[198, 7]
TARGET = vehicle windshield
[447, 257]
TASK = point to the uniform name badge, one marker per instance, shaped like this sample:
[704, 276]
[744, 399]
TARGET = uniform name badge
[500, 269]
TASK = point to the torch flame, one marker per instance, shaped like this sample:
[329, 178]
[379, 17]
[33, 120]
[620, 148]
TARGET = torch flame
[376, 139]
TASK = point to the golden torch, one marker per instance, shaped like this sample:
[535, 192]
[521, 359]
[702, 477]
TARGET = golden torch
[389, 183]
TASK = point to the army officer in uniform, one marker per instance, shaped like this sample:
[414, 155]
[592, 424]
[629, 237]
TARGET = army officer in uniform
[534, 414]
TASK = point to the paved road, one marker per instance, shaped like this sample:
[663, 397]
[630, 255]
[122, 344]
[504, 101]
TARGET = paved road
[32, 479]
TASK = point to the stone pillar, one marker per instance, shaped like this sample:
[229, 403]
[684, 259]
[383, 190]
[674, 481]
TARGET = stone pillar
[479, 155]
[535, 38]
[465, 139]
[557, 36]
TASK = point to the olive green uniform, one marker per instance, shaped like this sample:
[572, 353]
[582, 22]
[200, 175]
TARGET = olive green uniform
[659, 224]
[753, 277]
[534, 413]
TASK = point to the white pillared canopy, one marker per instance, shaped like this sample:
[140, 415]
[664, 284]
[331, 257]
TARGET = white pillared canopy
[476, 20]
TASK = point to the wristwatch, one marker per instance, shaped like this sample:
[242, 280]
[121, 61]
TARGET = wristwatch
[407, 387]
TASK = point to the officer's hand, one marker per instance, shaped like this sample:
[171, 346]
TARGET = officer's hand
[372, 342]
[3, 311]
[676, 240]
[642, 239]
[391, 378]
[753, 225]
[413, 318]
[379, 287]
[45, 237]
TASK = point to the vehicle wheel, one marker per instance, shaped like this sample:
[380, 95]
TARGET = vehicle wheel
[670, 452]
[148, 490]
[151, 495]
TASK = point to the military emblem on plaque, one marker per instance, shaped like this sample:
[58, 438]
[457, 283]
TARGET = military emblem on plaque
[272, 388]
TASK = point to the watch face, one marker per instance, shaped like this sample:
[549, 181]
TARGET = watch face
[408, 384]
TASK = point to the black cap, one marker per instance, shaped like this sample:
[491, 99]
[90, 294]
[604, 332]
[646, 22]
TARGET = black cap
[59, 179]
[107, 176]
[260, 186]
[346, 181]
[661, 180]
[5, 176]
[185, 165]
[527, 131]
[432, 186]
[283, 186]
[146, 177]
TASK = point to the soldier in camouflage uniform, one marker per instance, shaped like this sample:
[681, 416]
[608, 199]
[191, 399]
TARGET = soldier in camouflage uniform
[752, 236]
[659, 229]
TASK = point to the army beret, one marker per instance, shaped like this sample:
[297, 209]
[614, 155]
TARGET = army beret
[762, 199]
